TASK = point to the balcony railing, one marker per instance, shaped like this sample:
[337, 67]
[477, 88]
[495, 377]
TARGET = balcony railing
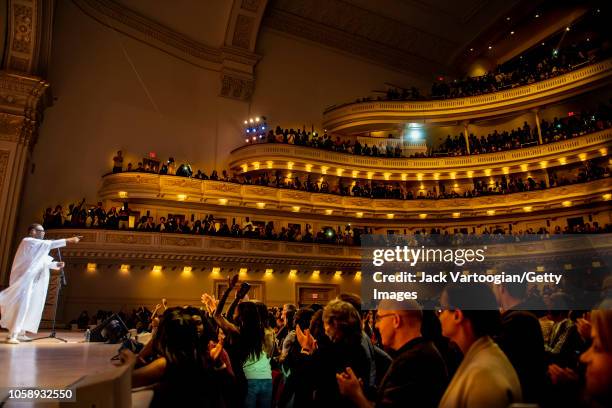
[361, 114]
[519, 160]
[153, 188]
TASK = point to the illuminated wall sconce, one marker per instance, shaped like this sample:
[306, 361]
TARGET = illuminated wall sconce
[420, 176]
[562, 161]
[123, 194]
[324, 169]
[582, 156]
[358, 275]
[596, 264]
[125, 269]
[543, 164]
[355, 173]
[490, 212]
[339, 172]
[270, 164]
[242, 272]
[329, 212]
[187, 272]
[506, 170]
[436, 176]
[470, 173]
[295, 208]
[91, 267]
[223, 201]
[487, 172]
[358, 214]
[607, 197]
[390, 216]
[316, 273]
[289, 165]
[453, 175]
[422, 216]
[308, 167]
[245, 167]
[524, 167]
[456, 214]
[268, 273]
[567, 267]
[255, 165]
[528, 208]
[566, 203]
[387, 176]
[216, 270]
[181, 197]
[157, 270]
[293, 273]
[404, 176]
[603, 151]
[540, 268]
[370, 174]
[338, 275]
[261, 205]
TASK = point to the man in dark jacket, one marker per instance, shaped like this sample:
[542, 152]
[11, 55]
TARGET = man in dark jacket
[417, 374]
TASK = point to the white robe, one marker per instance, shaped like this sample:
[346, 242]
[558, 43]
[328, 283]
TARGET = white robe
[22, 303]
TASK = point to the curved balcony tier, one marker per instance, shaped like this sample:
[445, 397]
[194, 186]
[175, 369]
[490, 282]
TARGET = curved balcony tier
[383, 115]
[193, 193]
[299, 158]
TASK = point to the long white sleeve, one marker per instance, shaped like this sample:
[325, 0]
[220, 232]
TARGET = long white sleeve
[58, 243]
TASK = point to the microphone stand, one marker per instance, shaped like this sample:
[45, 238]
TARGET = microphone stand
[62, 282]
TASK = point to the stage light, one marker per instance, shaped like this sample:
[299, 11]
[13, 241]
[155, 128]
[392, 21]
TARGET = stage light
[248, 131]
[247, 140]
[91, 267]
[256, 119]
[251, 120]
[567, 28]
[511, 32]
[125, 269]
[537, 16]
[254, 138]
[246, 122]
[471, 49]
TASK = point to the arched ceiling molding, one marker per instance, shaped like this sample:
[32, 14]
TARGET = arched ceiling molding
[235, 61]
[241, 35]
[28, 44]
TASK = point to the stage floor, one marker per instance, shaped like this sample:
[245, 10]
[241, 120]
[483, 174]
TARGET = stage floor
[50, 363]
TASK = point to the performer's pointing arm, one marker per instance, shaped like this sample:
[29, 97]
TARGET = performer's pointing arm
[60, 243]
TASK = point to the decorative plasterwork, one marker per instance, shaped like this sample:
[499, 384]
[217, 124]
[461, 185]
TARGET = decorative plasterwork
[4, 158]
[235, 61]
[147, 195]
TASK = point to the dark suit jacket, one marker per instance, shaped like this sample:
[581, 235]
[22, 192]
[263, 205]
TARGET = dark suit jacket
[417, 377]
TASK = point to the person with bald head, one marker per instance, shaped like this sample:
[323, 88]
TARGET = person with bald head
[417, 374]
[22, 303]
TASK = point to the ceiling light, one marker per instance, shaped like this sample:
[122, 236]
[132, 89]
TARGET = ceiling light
[511, 32]
[490, 47]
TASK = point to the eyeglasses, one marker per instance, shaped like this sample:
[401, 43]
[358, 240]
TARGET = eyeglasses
[379, 317]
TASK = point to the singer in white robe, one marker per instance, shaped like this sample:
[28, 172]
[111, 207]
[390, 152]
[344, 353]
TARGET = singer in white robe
[22, 303]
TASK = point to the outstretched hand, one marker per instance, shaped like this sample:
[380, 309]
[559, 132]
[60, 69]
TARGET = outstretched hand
[210, 303]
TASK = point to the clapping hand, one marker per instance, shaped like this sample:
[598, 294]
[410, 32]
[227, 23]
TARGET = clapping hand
[210, 303]
[305, 339]
[348, 383]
